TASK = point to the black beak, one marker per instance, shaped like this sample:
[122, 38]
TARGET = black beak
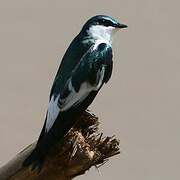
[121, 26]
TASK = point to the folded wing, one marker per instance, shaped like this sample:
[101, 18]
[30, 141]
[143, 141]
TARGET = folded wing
[93, 70]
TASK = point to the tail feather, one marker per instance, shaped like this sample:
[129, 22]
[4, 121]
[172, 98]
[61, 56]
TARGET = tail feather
[35, 160]
[47, 140]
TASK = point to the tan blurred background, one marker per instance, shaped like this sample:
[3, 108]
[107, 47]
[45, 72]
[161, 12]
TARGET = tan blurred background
[141, 104]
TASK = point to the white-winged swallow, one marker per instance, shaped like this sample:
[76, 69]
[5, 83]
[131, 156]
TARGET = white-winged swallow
[86, 66]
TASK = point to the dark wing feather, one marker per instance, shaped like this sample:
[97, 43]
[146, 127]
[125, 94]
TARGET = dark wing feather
[88, 70]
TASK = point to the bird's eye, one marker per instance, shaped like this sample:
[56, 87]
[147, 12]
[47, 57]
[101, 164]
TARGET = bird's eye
[102, 22]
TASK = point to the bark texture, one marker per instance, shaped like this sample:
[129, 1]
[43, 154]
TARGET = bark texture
[82, 148]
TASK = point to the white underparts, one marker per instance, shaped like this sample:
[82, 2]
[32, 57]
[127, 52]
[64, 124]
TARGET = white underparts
[52, 112]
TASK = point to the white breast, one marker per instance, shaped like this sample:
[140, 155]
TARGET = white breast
[99, 32]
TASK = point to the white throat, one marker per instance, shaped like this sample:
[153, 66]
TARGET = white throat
[103, 33]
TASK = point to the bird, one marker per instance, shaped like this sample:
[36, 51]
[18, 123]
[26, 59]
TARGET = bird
[85, 67]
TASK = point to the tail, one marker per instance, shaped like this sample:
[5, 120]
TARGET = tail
[35, 160]
[46, 141]
[37, 156]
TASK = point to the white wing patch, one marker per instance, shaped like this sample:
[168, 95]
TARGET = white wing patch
[72, 99]
[75, 97]
[100, 78]
[52, 113]
[58, 105]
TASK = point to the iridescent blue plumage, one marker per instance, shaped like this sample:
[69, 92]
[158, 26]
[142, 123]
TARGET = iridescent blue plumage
[85, 67]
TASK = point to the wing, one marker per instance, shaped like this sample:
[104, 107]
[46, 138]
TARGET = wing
[94, 69]
[74, 53]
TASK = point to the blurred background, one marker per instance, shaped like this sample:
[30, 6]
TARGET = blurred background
[140, 105]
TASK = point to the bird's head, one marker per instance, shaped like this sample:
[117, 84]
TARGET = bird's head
[102, 27]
